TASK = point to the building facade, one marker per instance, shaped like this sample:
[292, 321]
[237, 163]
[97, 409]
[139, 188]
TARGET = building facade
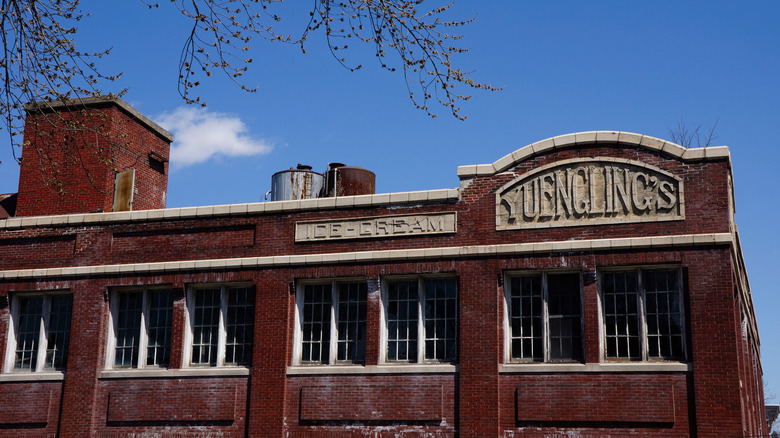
[587, 285]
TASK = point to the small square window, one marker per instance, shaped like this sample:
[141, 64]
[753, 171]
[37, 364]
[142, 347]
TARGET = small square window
[544, 315]
[220, 321]
[332, 323]
[140, 328]
[421, 316]
[40, 329]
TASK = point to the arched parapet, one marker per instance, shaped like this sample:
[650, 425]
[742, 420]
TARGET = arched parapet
[589, 138]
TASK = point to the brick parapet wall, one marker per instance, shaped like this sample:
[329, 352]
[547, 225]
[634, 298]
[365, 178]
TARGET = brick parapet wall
[74, 172]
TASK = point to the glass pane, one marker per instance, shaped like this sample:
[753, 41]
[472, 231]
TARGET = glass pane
[28, 333]
[620, 297]
[128, 329]
[352, 322]
[526, 317]
[58, 331]
[564, 311]
[315, 324]
[158, 321]
[205, 327]
[402, 321]
[240, 316]
[441, 306]
[664, 328]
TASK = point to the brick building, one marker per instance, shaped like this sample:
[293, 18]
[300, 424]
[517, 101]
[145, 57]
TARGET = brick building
[591, 284]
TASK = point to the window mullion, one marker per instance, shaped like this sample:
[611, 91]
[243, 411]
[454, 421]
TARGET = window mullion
[142, 333]
[42, 339]
[222, 329]
[334, 313]
[189, 330]
[421, 341]
[641, 314]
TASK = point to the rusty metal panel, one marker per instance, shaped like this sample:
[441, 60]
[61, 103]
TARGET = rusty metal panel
[123, 190]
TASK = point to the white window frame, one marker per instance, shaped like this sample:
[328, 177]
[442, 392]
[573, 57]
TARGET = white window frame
[113, 320]
[642, 312]
[221, 329]
[545, 315]
[383, 335]
[333, 345]
[43, 337]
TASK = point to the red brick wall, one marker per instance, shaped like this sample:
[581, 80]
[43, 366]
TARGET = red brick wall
[475, 401]
[73, 172]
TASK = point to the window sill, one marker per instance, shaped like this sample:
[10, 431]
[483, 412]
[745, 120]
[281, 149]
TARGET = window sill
[640, 367]
[174, 373]
[371, 369]
[49, 376]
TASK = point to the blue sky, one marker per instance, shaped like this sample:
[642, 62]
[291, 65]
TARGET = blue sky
[564, 67]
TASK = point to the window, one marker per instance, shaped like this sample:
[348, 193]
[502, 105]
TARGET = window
[39, 332]
[141, 328]
[220, 320]
[332, 322]
[642, 314]
[421, 320]
[544, 313]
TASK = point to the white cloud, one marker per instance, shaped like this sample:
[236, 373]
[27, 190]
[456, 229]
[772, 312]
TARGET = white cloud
[200, 135]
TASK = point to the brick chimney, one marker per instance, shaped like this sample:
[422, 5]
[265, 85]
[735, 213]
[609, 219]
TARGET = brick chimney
[88, 155]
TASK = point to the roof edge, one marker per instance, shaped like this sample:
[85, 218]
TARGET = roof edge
[95, 101]
[593, 137]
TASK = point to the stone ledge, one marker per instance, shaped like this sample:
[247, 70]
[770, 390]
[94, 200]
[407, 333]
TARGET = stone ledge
[382, 255]
[174, 373]
[32, 377]
[313, 370]
[425, 196]
[636, 367]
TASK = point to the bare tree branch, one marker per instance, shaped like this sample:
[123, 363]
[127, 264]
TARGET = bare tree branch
[687, 136]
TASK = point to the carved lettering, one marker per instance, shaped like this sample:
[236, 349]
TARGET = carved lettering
[590, 191]
[388, 226]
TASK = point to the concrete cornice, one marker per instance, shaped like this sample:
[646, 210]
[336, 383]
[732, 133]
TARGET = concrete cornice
[341, 202]
[589, 138]
[453, 252]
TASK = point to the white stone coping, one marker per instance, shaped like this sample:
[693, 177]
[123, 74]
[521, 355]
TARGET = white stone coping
[312, 370]
[592, 137]
[379, 256]
[174, 373]
[48, 376]
[347, 202]
[605, 367]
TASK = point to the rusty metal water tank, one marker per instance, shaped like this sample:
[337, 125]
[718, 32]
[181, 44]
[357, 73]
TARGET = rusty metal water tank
[299, 183]
[341, 180]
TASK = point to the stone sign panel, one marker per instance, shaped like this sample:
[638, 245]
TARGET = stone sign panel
[589, 191]
[373, 227]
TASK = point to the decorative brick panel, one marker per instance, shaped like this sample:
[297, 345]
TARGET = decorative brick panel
[22, 404]
[620, 399]
[371, 403]
[142, 403]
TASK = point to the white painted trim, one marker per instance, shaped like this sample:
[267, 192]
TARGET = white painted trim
[635, 367]
[588, 138]
[371, 369]
[382, 255]
[255, 208]
[174, 374]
